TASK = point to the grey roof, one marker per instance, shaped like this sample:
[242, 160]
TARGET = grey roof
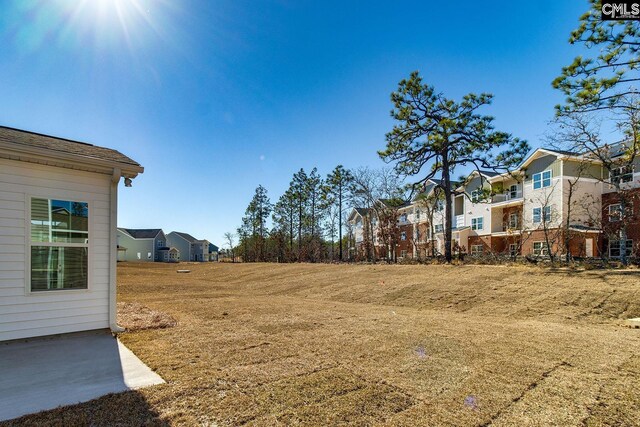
[38, 140]
[188, 237]
[143, 233]
[490, 174]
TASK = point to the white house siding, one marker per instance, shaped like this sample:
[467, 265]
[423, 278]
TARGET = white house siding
[477, 210]
[586, 201]
[24, 314]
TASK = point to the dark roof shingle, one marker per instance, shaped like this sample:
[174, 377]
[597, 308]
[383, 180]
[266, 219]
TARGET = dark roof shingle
[32, 139]
[143, 233]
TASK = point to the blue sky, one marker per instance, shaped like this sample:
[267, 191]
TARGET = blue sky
[216, 97]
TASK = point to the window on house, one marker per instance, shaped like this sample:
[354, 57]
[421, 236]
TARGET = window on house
[476, 250]
[403, 217]
[513, 191]
[540, 248]
[59, 244]
[148, 255]
[417, 236]
[615, 212]
[403, 235]
[477, 195]
[614, 248]
[160, 243]
[403, 253]
[417, 214]
[513, 220]
[542, 214]
[440, 205]
[438, 228]
[622, 174]
[477, 223]
[542, 180]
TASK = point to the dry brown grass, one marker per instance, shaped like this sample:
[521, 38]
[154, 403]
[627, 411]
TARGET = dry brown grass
[266, 344]
[134, 316]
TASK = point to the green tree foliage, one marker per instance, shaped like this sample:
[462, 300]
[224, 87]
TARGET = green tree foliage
[434, 135]
[339, 184]
[605, 79]
[253, 232]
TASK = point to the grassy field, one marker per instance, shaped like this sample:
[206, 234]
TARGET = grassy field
[265, 344]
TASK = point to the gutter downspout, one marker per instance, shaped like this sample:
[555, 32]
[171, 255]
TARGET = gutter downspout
[113, 250]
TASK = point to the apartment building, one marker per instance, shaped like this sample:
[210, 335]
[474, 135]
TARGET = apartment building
[552, 197]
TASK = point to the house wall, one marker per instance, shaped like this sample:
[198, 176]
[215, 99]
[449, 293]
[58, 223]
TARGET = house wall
[477, 210]
[174, 240]
[22, 313]
[612, 228]
[135, 247]
[548, 196]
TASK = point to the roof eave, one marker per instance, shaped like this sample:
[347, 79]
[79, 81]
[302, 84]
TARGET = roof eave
[41, 155]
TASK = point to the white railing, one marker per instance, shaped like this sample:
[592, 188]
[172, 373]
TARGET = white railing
[505, 197]
[459, 222]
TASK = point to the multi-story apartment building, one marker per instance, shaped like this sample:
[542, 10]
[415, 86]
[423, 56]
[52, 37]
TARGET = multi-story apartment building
[554, 197]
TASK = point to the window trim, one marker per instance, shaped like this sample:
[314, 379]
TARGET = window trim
[475, 227]
[541, 179]
[542, 216]
[56, 195]
[476, 253]
[403, 236]
[544, 247]
[618, 256]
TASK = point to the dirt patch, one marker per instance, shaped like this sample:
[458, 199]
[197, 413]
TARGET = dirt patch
[134, 316]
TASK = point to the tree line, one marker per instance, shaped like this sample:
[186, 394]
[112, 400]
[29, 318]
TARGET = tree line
[434, 136]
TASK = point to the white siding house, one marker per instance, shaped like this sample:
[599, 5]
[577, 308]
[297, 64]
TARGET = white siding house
[58, 205]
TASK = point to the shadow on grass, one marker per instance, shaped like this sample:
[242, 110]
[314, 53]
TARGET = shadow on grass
[123, 409]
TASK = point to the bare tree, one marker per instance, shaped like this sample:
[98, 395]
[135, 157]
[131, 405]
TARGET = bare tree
[230, 240]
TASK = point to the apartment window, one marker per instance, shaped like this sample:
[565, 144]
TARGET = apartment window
[476, 250]
[160, 243]
[403, 217]
[59, 244]
[540, 248]
[477, 195]
[440, 205]
[403, 253]
[417, 214]
[542, 180]
[438, 228]
[417, 236]
[403, 235]
[614, 248]
[622, 174]
[513, 220]
[538, 214]
[615, 212]
[513, 191]
[477, 223]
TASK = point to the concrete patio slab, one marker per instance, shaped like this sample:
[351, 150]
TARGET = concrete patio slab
[45, 373]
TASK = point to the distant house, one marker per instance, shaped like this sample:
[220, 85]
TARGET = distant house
[58, 210]
[191, 249]
[213, 252]
[143, 245]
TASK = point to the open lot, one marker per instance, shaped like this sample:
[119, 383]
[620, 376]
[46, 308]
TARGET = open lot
[267, 344]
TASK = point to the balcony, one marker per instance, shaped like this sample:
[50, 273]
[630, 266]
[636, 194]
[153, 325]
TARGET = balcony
[459, 221]
[510, 197]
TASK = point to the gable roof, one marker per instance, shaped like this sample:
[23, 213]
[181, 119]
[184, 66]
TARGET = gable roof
[186, 236]
[142, 233]
[22, 141]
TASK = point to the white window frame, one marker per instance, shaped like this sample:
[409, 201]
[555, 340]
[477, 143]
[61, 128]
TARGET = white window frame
[621, 175]
[514, 223]
[543, 250]
[438, 228]
[477, 250]
[476, 195]
[628, 246]
[403, 236]
[544, 214]
[28, 243]
[403, 253]
[540, 178]
[477, 223]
